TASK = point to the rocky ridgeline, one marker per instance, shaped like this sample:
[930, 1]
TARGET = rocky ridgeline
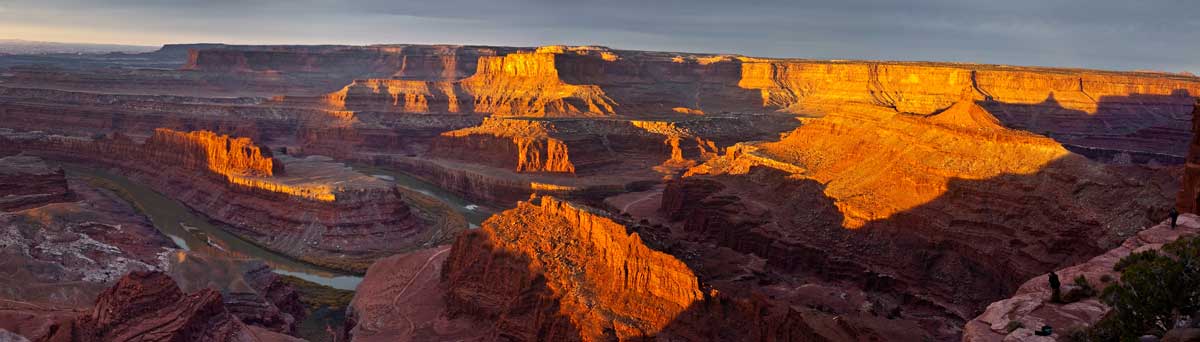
[583, 276]
[553, 270]
[517, 84]
[1139, 110]
[851, 197]
[320, 211]
[1016, 318]
[149, 306]
[428, 62]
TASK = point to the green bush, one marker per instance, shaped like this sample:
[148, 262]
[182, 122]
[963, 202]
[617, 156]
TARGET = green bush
[1081, 291]
[1155, 290]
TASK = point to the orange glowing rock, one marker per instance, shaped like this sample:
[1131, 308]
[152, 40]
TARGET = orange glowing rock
[550, 270]
[878, 164]
[528, 141]
[518, 84]
[221, 154]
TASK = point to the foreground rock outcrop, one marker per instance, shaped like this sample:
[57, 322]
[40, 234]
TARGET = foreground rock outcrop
[148, 306]
[553, 270]
[1030, 307]
[548, 270]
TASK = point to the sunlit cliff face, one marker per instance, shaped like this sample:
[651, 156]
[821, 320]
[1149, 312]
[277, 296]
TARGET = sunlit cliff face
[517, 84]
[238, 160]
[878, 164]
[605, 282]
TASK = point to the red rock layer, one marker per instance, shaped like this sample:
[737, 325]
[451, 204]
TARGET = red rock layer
[27, 182]
[548, 270]
[220, 154]
[851, 197]
[519, 145]
[517, 84]
[148, 306]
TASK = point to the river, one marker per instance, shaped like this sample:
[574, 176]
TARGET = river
[474, 213]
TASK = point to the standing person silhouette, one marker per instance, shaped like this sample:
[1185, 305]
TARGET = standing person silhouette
[1174, 217]
[1055, 294]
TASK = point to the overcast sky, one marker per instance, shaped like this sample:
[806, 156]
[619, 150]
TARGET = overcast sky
[1106, 34]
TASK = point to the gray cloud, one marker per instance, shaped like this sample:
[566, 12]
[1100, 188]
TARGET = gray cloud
[1103, 34]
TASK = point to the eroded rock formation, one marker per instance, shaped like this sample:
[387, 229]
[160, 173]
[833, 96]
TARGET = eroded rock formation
[548, 270]
[853, 196]
[219, 154]
[321, 212]
[148, 306]
[27, 182]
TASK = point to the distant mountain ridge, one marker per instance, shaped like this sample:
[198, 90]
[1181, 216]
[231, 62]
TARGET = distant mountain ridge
[28, 47]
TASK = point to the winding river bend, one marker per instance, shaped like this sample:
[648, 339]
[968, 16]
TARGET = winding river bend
[192, 231]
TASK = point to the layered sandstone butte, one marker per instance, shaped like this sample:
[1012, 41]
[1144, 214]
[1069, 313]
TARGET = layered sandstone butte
[1031, 305]
[27, 182]
[519, 145]
[220, 154]
[148, 306]
[517, 84]
[548, 270]
[852, 197]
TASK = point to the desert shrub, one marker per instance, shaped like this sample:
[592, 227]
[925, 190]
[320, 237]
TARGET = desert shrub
[1013, 326]
[1081, 291]
[1155, 290]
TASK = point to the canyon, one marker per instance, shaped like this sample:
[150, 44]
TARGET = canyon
[628, 195]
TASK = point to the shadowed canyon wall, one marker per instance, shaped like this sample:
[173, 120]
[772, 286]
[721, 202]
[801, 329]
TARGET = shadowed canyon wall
[912, 198]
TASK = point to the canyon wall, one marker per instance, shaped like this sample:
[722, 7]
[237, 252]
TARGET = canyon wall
[219, 154]
[517, 84]
[320, 212]
[1085, 109]
[550, 270]
[851, 197]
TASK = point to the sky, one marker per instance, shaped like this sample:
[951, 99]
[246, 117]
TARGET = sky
[1103, 34]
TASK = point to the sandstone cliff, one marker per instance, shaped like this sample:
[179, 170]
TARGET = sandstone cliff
[219, 154]
[551, 270]
[852, 196]
[517, 84]
[519, 145]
